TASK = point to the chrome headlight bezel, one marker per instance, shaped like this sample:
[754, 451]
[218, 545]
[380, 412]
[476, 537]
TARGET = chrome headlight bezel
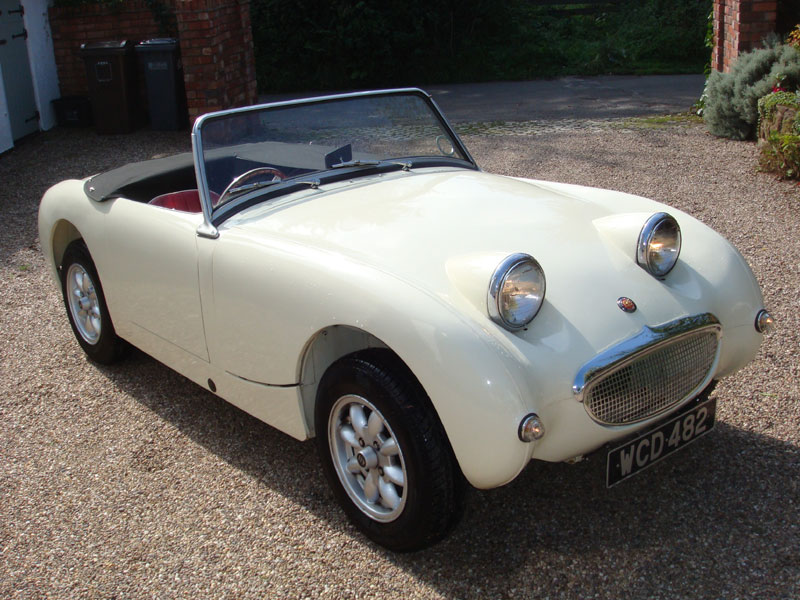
[497, 296]
[646, 252]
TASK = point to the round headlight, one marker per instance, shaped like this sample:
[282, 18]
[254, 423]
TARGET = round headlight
[659, 245]
[516, 291]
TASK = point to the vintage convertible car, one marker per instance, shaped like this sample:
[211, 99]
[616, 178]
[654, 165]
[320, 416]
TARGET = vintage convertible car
[340, 268]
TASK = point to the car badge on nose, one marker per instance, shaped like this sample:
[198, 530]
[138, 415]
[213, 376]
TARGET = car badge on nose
[626, 304]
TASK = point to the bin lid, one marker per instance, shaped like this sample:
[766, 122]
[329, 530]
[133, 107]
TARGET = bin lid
[157, 45]
[108, 47]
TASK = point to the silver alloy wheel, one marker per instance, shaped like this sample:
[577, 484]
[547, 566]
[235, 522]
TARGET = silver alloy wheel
[367, 458]
[84, 306]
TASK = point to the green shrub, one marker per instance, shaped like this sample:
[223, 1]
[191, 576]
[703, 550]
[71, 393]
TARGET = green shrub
[732, 98]
[781, 154]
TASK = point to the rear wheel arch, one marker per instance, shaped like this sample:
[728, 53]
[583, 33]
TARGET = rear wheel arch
[86, 307]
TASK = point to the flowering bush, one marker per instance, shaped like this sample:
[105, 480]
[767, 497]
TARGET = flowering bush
[778, 87]
[794, 38]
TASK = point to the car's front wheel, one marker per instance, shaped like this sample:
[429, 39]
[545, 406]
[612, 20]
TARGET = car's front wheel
[86, 306]
[384, 452]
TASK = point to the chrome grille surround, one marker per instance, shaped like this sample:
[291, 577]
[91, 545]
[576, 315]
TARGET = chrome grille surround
[651, 372]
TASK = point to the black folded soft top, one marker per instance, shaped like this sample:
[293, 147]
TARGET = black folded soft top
[144, 180]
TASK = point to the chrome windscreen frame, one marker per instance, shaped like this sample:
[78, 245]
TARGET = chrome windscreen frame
[648, 340]
[208, 229]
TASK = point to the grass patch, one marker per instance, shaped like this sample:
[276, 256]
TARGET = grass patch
[659, 121]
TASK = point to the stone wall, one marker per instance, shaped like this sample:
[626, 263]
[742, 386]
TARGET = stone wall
[215, 37]
[778, 117]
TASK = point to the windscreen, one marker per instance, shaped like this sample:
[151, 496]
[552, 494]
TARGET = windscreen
[243, 150]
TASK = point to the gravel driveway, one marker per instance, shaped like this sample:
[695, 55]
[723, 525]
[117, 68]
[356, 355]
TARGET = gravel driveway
[131, 482]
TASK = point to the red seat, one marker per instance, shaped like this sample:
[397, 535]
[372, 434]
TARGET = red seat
[186, 200]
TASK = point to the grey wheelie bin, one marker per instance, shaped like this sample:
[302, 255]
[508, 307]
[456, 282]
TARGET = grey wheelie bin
[163, 74]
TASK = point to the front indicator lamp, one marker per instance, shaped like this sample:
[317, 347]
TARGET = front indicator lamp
[531, 428]
[764, 322]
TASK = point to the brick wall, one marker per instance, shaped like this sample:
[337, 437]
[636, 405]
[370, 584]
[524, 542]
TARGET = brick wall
[215, 37]
[217, 48]
[72, 26]
[739, 26]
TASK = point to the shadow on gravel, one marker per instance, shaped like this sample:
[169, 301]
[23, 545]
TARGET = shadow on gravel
[41, 161]
[711, 521]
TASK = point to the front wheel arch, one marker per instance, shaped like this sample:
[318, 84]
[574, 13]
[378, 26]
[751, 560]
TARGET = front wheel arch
[379, 384]
[323, 349]
[334, 343]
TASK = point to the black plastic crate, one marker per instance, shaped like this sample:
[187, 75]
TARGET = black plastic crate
[73, 111]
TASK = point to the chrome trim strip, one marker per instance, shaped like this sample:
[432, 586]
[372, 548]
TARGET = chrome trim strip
[647, 340]
[207, 229]
[311, 100]
[451, 129]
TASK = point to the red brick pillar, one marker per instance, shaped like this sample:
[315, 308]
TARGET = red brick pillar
[739, 26]
[217, 50]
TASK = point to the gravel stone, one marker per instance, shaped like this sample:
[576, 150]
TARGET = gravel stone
[131, 482]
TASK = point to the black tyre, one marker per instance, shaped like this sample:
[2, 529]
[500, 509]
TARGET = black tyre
[385, 453]
[86, 306]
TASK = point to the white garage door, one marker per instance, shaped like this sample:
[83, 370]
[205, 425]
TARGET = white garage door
[16, 71]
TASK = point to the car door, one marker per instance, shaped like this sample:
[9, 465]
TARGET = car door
[149, 272]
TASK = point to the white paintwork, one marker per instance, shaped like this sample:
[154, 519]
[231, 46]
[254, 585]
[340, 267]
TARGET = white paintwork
[6, 139]
[42, 58]
[151, 278]
[406, 258]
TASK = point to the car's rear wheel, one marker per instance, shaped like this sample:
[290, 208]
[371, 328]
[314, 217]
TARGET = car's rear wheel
[384, 452]
[86, 306]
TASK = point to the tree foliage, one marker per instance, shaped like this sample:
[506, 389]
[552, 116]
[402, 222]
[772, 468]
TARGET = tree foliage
[338, 44]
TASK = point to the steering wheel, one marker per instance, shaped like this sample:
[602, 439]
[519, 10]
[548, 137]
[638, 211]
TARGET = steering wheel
[239, 184]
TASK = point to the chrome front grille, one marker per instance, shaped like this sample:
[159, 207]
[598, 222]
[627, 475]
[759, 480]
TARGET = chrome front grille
[651, 373]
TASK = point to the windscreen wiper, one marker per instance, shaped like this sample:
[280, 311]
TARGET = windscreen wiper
[356, 163]
[252, 186]
[371, 163]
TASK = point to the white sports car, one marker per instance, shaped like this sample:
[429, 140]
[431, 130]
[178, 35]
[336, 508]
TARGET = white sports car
[340, 268]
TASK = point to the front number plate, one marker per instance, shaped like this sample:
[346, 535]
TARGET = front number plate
[636, 455]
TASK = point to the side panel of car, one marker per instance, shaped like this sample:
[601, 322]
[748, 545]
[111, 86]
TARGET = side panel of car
[149, 271]
[282, 295]
[65, 213]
